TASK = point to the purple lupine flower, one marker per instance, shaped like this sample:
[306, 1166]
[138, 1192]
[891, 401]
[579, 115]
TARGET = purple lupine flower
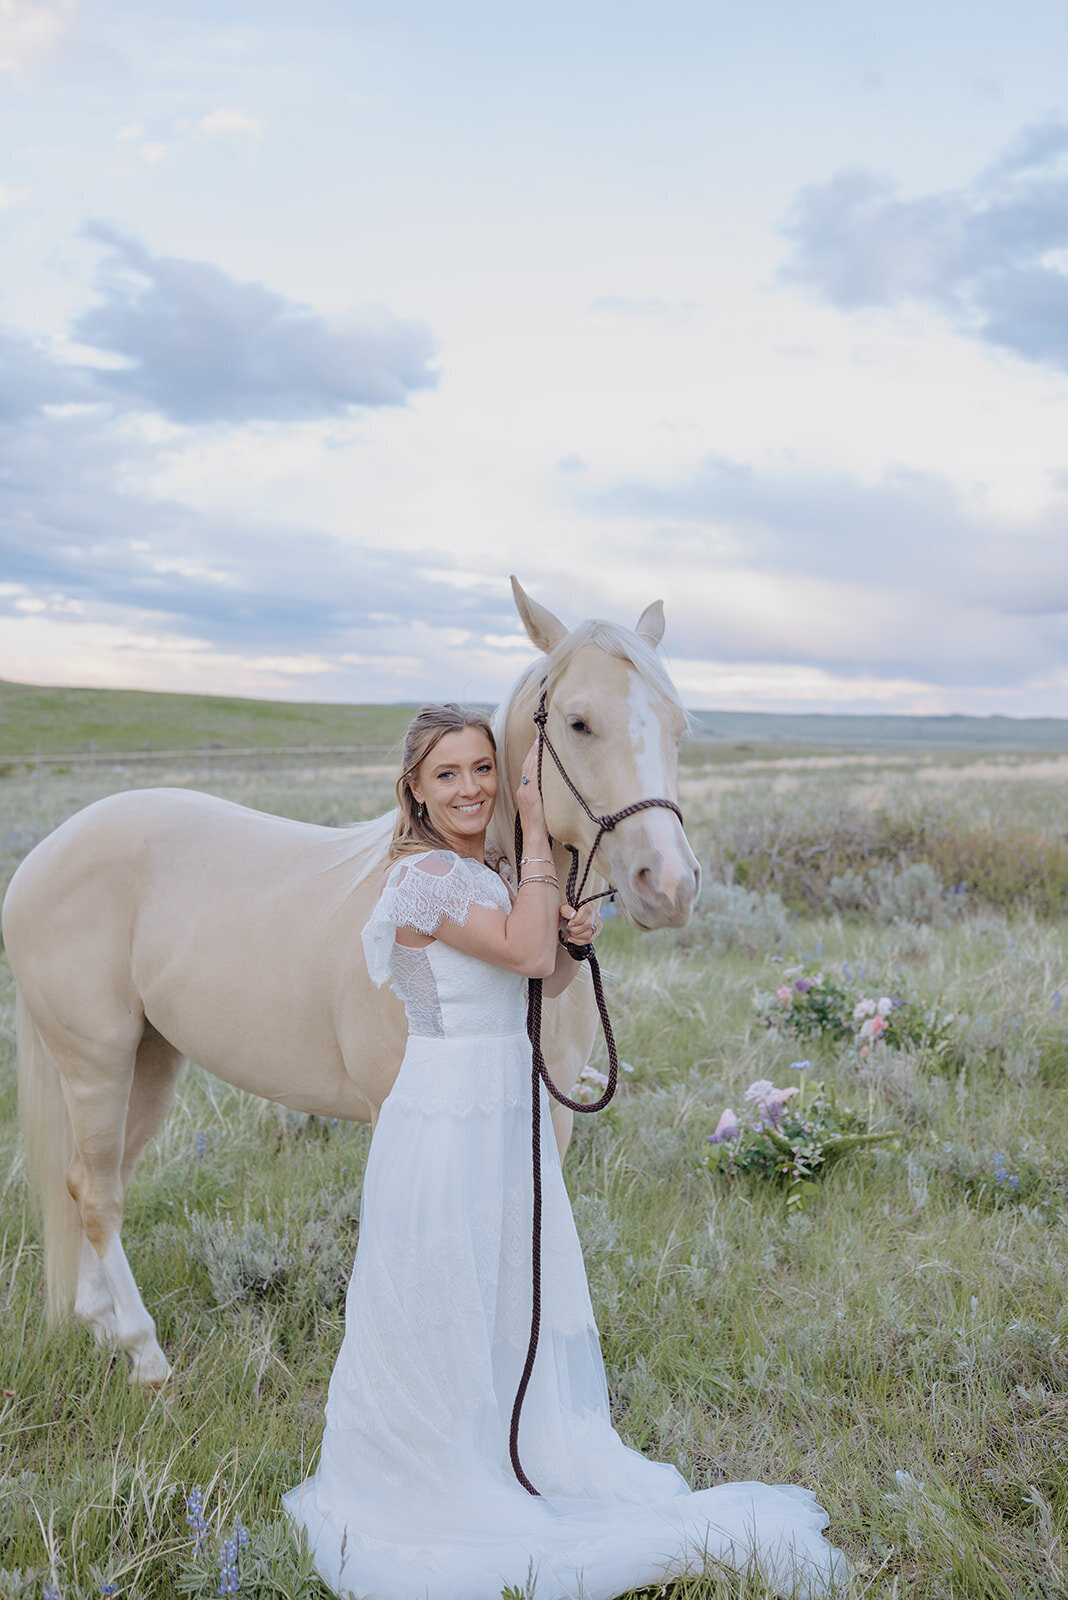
[229, 1576]
[803, 985]
[194, 1516]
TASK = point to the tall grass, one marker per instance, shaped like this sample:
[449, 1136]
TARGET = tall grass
[901, 1345]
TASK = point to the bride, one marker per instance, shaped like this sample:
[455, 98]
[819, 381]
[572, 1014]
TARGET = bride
[415, 1497]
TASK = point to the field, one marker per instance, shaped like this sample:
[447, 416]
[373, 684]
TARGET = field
[899, 1341]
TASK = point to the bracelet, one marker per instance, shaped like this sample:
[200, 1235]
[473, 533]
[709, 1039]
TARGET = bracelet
[528, 859]
[540, 877]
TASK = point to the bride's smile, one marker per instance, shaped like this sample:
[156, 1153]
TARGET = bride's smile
[457, 783]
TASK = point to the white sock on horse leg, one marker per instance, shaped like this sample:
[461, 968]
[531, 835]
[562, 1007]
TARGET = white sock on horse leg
[135, 1330]
[93, 1304]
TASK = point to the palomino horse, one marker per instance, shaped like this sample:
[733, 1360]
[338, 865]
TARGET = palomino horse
[163, 924]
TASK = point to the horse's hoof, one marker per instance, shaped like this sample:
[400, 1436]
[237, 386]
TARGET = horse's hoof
[150, 1369]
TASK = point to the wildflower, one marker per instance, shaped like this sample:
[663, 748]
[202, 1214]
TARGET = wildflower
[589, 1081]
[759, 1089]
[800, 1066]
[873, 1028]
[109, 1589]
[229, 1576]
[771, 1108]
[885, 1006]
[785, 995]
[194, 1516]
[863, 1008]
[202, 1145]
[726, 1128]
[1002, 1175]
[769, 1100]
[1056, 1006]
[803, 985]
[51, 1592]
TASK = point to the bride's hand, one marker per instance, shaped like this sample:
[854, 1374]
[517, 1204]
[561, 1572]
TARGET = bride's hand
[528, 795]
[581, 926]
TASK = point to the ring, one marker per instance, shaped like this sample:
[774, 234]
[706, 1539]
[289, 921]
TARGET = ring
[524, 780]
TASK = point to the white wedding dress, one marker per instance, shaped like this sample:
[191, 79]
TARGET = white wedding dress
[414, 1497]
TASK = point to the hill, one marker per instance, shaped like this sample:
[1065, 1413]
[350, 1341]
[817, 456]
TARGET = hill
[38, 723]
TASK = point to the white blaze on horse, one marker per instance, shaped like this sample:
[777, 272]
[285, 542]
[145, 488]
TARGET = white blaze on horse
[164, 925]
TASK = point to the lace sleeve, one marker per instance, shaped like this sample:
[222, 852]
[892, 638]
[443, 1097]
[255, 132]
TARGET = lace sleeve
[419, 891]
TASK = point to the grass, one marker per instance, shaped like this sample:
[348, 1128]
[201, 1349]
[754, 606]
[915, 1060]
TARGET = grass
[41, 723]
[901, 1345]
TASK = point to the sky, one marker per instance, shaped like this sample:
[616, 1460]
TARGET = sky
[317, 322]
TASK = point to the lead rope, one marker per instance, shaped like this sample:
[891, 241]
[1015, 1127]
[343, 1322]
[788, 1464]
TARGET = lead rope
[539, 1073]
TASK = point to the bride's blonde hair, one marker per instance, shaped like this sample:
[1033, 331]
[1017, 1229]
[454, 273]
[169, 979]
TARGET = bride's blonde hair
[413, 832]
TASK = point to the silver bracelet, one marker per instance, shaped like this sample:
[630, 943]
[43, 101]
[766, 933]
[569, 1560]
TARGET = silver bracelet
[526, 860]
[540, 877]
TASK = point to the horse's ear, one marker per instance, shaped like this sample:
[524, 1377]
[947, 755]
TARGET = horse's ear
[543, 628]
[650, 625]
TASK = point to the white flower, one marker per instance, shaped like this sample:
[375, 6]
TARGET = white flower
[760, 1089]
[885, 1006]
[863, 1008]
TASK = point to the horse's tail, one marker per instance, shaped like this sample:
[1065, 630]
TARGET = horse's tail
[49, 1139]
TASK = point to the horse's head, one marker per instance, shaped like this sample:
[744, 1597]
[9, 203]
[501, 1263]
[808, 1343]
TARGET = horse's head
[616, 723]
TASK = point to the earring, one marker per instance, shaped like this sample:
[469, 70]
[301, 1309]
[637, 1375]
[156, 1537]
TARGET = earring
[422, 812]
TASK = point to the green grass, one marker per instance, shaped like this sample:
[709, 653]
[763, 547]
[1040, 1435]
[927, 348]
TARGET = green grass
[901, 1345]
[37, 723]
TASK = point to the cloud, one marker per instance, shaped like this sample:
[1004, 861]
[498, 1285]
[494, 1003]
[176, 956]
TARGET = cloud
[228, 121]
[82, 547]
[11, 197]
[901, 576]
[202, 347]
[30, 379]
[31, 30]
[989, 255]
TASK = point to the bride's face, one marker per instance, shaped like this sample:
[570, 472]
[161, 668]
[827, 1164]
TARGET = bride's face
[457, 782]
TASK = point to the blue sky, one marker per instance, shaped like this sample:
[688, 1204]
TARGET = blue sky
[316, 323]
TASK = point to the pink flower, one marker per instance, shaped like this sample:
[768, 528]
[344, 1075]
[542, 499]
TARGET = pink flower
[726, 1128]
[784, 995]
[769, 1100]
[873, 1028]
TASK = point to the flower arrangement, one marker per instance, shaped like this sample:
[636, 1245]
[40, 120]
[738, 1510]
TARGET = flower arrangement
[818, 1005]
[792, 1136]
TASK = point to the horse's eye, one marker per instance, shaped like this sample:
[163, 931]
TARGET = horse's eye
[578, 726]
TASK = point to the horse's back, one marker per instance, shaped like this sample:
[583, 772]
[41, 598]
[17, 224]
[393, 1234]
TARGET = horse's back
[139, 879]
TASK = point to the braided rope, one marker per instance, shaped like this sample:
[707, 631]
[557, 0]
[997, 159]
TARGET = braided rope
[539, 1073]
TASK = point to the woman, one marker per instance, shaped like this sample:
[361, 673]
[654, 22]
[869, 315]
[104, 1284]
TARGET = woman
[415, 1497]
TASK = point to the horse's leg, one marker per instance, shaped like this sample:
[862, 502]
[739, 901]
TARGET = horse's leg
[99, 1080]
[156, 1070]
